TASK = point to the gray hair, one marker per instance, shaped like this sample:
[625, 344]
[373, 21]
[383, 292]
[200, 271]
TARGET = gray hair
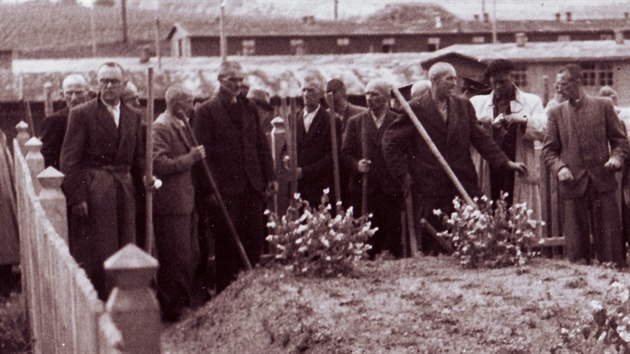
[420, 87]
[381, 86]
[175, 93]
[439, 69]
[74, 79]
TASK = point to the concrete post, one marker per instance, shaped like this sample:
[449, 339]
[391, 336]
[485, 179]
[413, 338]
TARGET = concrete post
[53, 200]
[278, 150]
[22, 135]
[132, 305]
[34, 160]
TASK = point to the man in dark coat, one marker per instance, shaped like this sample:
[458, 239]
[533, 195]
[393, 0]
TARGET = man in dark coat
[239, 156]
[451, 123]
[74, 91]
[102, 157]
[584, 145]
[384, 197]
[175, 218]
[314, 149]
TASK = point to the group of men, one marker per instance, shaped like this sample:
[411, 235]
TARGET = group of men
[101, 152]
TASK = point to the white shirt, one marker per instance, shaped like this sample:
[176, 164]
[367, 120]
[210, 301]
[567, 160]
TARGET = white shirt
[308, 118]
[378, 121]
[115, 112]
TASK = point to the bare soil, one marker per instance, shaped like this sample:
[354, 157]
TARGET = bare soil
[422, 305]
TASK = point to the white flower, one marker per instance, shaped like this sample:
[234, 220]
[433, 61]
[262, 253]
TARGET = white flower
[437, 212]
[596, 305]
[327, 190]
[324, 241]
[296, 196]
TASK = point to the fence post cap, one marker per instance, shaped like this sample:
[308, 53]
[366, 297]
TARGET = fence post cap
[21, 126]
[50, 178]
[277, 122]
[33, 143]
[131, 267]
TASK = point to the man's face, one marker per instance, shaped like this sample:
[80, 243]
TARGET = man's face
[311, 94]
[375, 98]
[502, 84]
[338, 96]
[75, 93]
[110, 83]
[445, 84]
[568, 87]
[186, 105]
[232, 82]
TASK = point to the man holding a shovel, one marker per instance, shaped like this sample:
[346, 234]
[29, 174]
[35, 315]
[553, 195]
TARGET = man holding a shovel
[451, 126]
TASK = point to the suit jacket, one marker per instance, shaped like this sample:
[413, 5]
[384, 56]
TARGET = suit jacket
[379, 177]
[406, 152]
[172, 164]
[350, 111]
[236, 156]
[53, 132]
[582, 138]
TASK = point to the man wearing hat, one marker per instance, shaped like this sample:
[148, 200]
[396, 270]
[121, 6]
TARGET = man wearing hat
[516, 119]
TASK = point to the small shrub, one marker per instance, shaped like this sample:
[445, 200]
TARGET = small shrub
[490, 236]
[311, 241]
[14, 330]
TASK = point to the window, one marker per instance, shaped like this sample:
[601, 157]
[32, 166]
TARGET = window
[249, 47]
[298, 46]
[519, 77]
[564, 38]
[606, 36]
[343, 42]
[600, 74]
[388, 45]
[433, 44]
[478, 39]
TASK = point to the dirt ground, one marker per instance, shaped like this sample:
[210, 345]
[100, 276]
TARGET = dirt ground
[422, 305]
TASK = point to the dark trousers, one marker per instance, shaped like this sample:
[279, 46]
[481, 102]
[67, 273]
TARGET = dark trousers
[597, 214]
[246, 212]
[385, 210]
[178, 253]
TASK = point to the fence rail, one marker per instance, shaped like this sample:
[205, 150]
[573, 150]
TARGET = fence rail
[65, 313]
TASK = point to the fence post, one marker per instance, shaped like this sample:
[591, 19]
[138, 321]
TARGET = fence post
[278, 144]
[35, 161]
[48, 101]
[53, 200]
[132, 304]
[22, 135]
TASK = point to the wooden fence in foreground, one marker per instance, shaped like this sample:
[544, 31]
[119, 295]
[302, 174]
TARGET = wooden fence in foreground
[64, 311]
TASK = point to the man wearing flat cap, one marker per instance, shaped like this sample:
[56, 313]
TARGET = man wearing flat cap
[238, 155]
[516, 120]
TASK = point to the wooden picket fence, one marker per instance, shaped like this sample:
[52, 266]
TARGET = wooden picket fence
[64, 311]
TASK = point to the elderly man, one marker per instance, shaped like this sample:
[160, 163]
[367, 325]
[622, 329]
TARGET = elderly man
[584, 146]
[102, 156]
[343, 109]
[75, 91]
[238, 154]
[130, 95]
[314, 148]
[419, 88]
[452, 125]
[175, 218]
[516, 119]
[384, 198]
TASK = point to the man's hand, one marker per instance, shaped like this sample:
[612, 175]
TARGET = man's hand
[613, 164]
[565, 175]
[80, 210]
[363, 165]
[155, 183]
[272, 189]
[485, 120]
[406, 185]
[517, 167]
[515, 118]
[198, 152]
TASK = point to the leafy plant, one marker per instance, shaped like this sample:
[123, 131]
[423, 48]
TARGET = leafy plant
[14, 329]
[490, 235]
[312, 242]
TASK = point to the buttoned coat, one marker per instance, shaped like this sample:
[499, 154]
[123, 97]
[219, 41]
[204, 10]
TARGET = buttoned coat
[314, 152]
[406, 152]
[235, 156]
[53, 132]
[172, 164]
[103, 165]
[352, 151]
[582, 138]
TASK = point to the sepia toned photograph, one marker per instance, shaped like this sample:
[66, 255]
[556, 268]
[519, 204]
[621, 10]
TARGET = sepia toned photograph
[314, 176]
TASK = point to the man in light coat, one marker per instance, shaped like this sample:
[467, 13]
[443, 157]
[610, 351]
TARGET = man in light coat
[516, 120]
[584, 146]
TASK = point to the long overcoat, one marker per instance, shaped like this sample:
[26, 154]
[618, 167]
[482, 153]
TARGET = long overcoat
[103, 165]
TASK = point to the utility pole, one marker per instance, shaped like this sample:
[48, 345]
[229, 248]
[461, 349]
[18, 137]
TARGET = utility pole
[336, 9]
[123, 14]
[483, 7]
[222, 39]
[93, 28]
[494, 22]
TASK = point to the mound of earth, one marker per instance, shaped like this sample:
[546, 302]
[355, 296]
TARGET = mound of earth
[422, 305]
